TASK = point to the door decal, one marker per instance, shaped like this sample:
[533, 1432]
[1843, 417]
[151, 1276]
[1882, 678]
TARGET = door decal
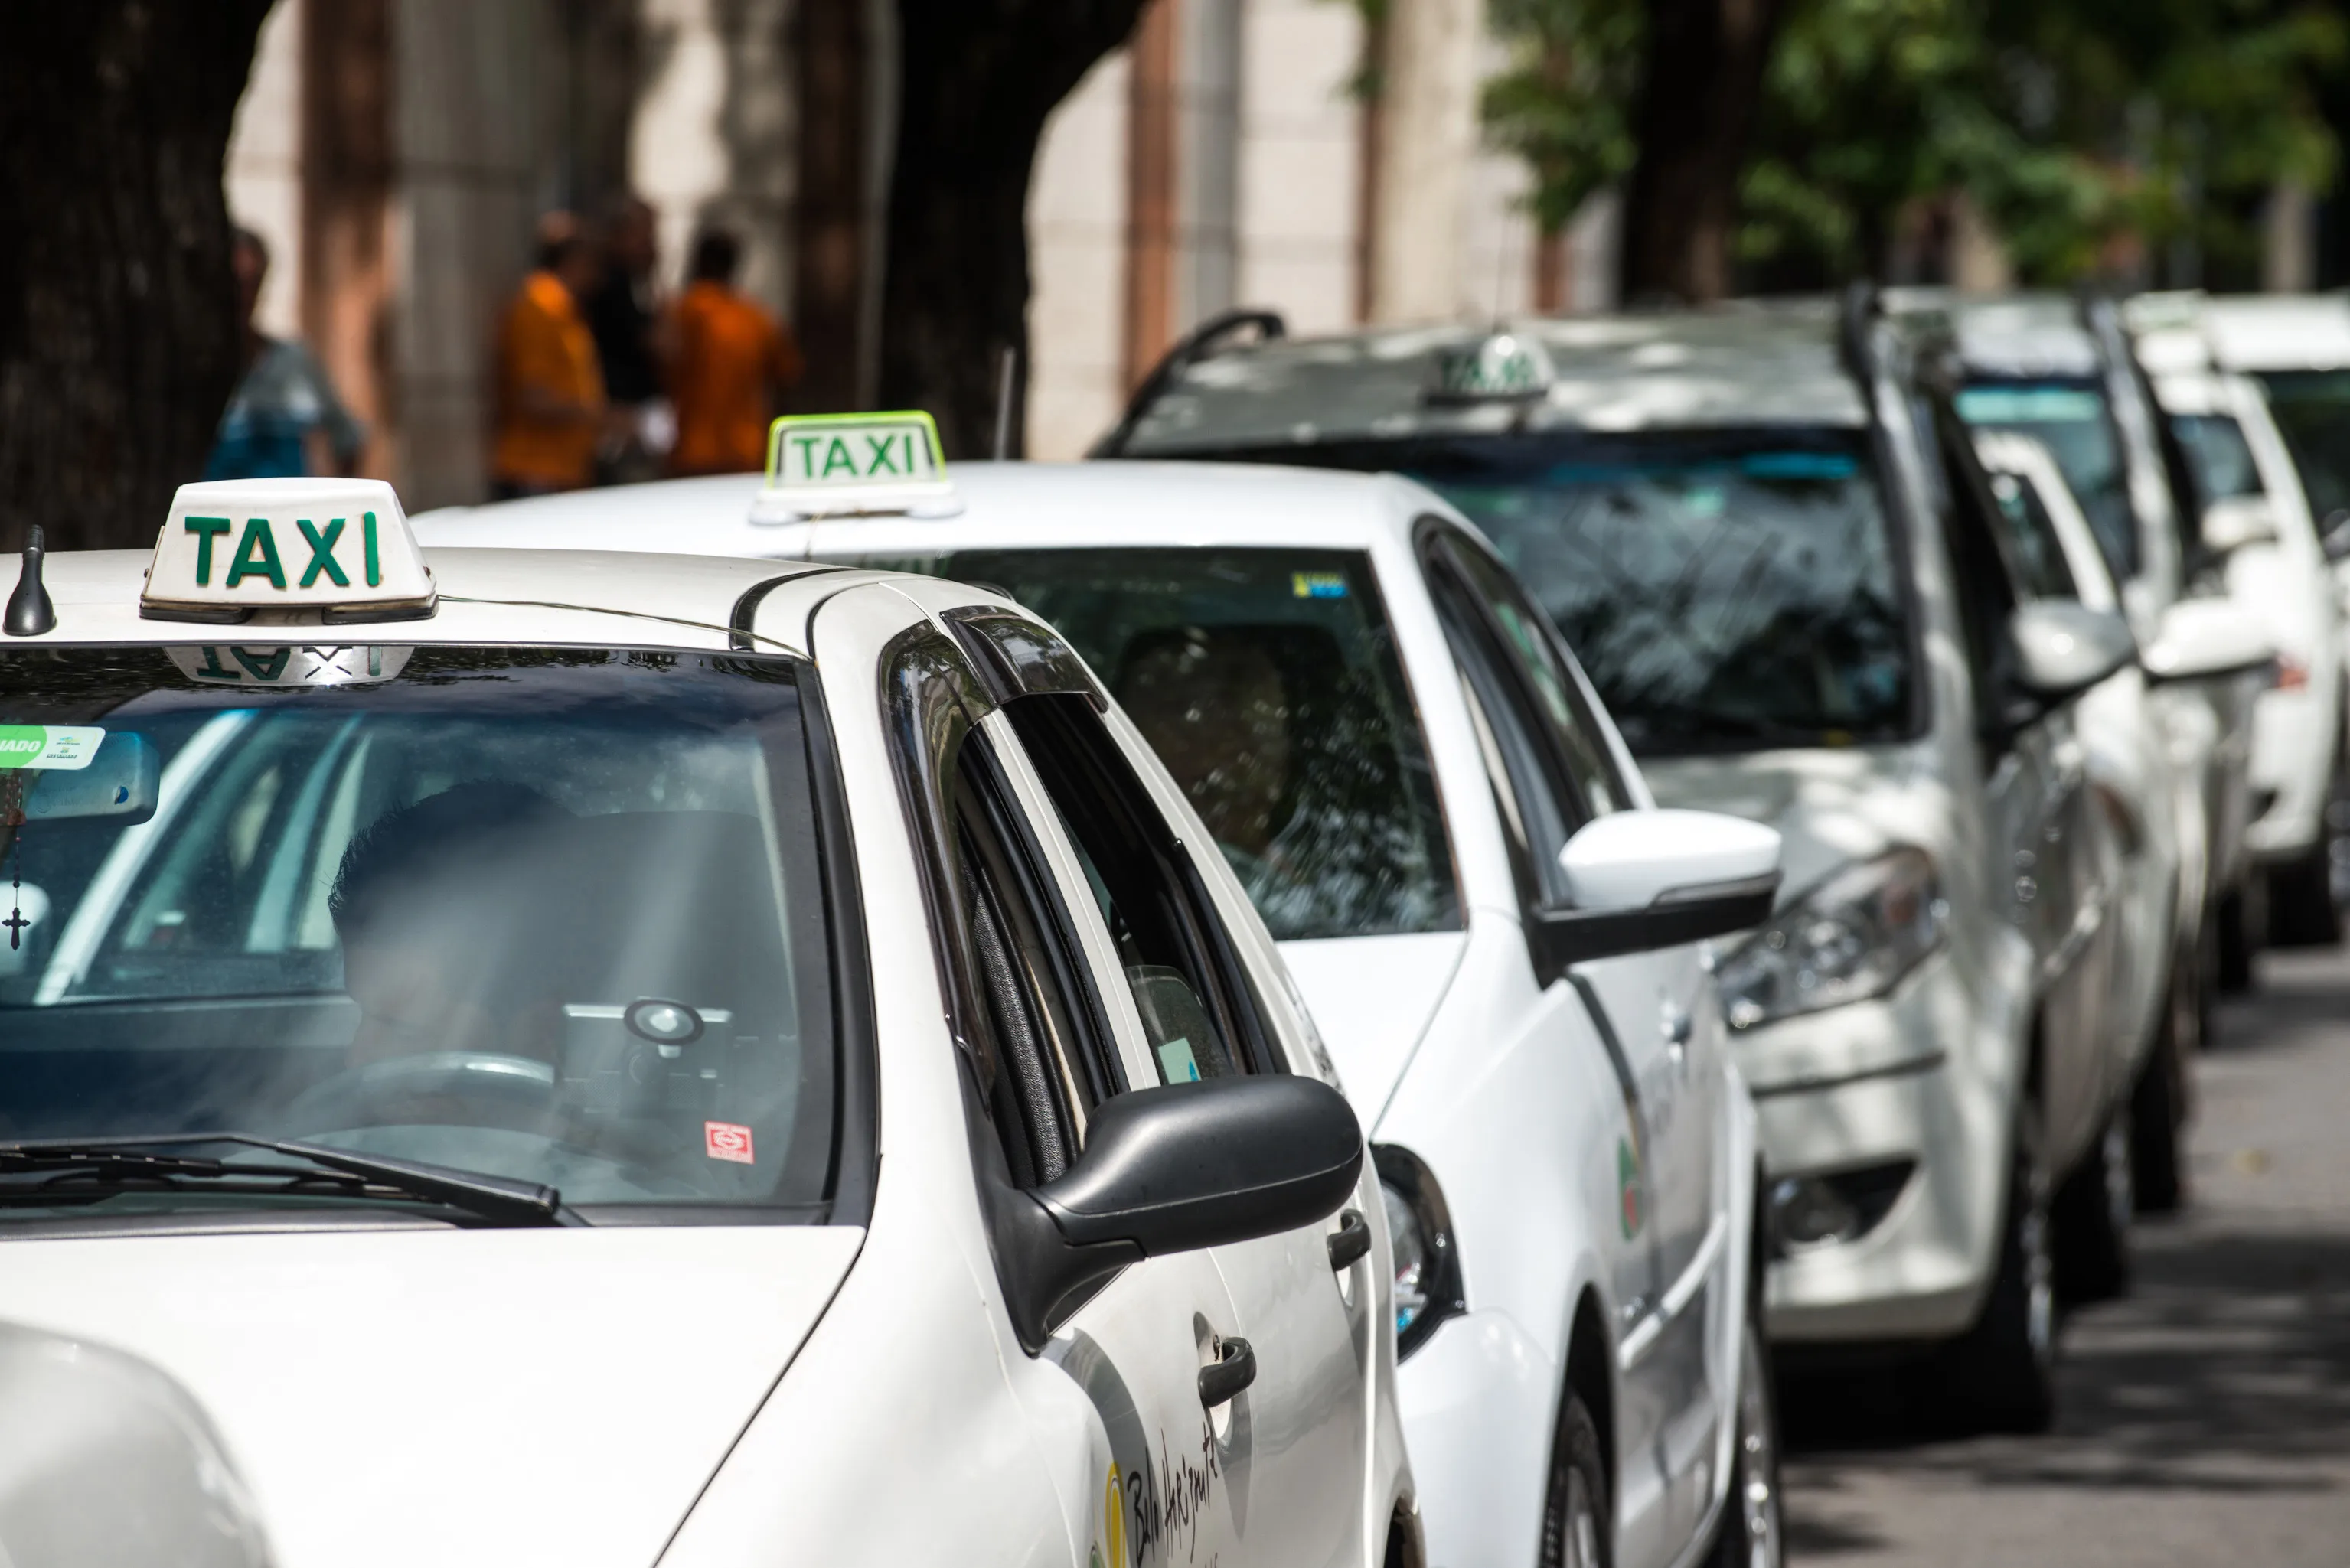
[1633, 1198]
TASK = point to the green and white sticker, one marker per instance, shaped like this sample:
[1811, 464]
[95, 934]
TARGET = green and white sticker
[59, 748]
[1176, 1062]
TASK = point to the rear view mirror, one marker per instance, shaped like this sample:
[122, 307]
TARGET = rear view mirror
[2236, 521]
[122, 780]
[2207, 639]
[1641, 880]
[2062, 649]
[1179, 1169]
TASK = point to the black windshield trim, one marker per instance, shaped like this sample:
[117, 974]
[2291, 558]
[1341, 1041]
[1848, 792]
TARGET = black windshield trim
[856, 1154]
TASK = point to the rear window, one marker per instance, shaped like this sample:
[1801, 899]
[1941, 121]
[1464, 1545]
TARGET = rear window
[1267, 681]
[2069, 416]
[549, 915]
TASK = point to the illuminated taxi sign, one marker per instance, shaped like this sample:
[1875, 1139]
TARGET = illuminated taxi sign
[1500, 366]
[231, 547]
[853, 465]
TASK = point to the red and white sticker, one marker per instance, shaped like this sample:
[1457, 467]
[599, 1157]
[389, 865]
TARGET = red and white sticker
[728, 1140]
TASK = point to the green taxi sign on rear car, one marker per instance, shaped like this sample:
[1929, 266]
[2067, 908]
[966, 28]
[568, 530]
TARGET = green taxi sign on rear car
[339, 547]
[853, 465]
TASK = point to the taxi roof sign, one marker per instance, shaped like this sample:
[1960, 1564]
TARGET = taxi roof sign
[855, 465]
[231, 547]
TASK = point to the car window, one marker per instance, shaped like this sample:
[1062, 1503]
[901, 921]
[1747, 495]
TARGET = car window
[1983, 581]
[1532, 652]
[554, 915]
[1201, 1016]
[2032, 543]
[2218, 454]
[1268, 682]
[2311, 408]
[2072, 417]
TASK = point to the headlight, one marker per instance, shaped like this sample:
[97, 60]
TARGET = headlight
[1419, 1237]
[1850, 939]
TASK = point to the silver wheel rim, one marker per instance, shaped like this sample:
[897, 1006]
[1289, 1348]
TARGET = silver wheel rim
[1757, 1498]
[1582, 1524]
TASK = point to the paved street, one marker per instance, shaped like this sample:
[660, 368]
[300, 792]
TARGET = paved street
[2206, 1419]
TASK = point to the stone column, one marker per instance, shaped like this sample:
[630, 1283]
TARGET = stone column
[1428, 134]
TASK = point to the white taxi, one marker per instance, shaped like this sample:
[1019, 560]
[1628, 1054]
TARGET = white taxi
[617, 1060]
[1497, 933]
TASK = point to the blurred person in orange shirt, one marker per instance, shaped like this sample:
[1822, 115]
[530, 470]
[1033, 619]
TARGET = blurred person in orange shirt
[551, 412]
[727, 360]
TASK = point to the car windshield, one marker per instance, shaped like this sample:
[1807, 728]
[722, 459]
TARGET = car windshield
[2313, 408]
[548, 915]
[2070, 417]
[1267, 681]
[1725, 591]
[2220, 456]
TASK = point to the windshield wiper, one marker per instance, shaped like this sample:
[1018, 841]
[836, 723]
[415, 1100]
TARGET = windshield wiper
[370, 1177]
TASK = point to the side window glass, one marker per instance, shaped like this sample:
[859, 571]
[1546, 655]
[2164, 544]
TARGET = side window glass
[2032, 540]
[1199, 1014]
[1531, 647]
[1980, 581]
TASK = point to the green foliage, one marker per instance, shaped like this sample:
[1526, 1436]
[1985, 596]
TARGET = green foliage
[1564, 103]
[2074, 127]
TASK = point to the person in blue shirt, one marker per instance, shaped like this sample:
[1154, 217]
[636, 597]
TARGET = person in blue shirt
[284, 419]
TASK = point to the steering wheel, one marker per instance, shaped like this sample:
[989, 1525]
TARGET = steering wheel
[460, 1089]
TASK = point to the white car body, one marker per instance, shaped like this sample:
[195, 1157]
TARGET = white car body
[1523, 1094]
[2281, 575]
[847, 1390]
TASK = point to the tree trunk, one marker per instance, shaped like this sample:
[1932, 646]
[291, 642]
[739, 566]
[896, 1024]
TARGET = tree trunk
[1695, 118]
[118, 334]
[976, 81]
[831, 227]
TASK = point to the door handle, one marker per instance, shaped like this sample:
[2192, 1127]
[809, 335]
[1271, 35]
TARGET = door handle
[1350, 1241]
[1228, 1377]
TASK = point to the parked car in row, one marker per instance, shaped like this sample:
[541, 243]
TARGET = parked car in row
[1497, 932]
[1765, 532]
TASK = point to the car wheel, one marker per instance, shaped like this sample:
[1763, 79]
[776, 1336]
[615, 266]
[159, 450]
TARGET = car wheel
[2093, 1213]
[2000, 1375]
[2158, 1101]
[1752, 1532]
[2236, 944]
[2301, 901]
[1577, 1528]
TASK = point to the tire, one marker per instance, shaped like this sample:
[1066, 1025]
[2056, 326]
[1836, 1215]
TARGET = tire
[2301, 901]
[2158, 1101]
[2000, 1375]
[1578, 1523]
[1752, 1532]
[2236, 944]
[2093, 1213]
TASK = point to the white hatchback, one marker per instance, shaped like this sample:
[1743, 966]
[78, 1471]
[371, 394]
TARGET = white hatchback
[1494, 929]
[610, 1059]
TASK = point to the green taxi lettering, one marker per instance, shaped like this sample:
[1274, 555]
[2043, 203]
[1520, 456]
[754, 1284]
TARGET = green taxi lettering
[322, 552]
[257, 556]
[212, 670]
[205, 529]
[374, 565]
[806, 445]
[877, 455]
[837, 456]
[263, 665]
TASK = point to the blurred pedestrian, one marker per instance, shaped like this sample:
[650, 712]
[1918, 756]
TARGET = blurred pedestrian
[624, 314]
[729, 360]
[284, 418]
[551, 411]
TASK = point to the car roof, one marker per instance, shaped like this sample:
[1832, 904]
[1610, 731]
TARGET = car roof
[486, 596]
[2013, 335]
[1750, 362]
[1005, 503]
[2281, 332]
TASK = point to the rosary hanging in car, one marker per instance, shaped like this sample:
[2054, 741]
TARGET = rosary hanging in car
[12, 817]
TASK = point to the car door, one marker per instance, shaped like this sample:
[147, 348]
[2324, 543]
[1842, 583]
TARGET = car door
[1038, 1051]
[1293, 1444]
[1552, 771]
[2035, 788]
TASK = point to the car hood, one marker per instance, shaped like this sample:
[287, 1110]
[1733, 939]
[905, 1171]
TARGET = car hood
[1371, 998]
[455, 1396]
[1831, 806]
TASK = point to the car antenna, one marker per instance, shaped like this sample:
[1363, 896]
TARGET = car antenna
[30, 613]
[1007, 380]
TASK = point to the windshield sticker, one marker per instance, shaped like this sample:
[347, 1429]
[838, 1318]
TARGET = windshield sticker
[60, 747]
[1317, 586]
[728, 1141]
[287, 666]
[1176, 1062]
[2027, 405]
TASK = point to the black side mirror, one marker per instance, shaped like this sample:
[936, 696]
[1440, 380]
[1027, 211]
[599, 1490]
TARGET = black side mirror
[1177, 1168]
